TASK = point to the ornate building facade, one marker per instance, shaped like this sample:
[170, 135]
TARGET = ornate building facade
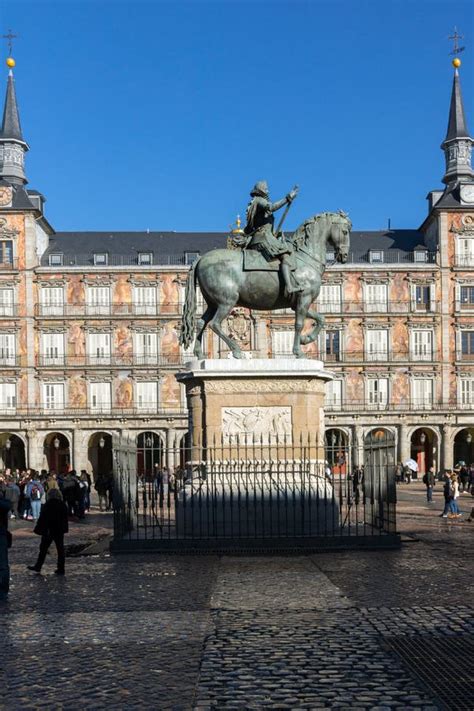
[89, 330]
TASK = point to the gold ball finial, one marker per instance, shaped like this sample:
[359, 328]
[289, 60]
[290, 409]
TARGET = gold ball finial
[10, 62]
[456, 62]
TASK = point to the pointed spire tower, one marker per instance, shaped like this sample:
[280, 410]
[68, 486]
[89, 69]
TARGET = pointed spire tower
[457, 145]
[12, 144]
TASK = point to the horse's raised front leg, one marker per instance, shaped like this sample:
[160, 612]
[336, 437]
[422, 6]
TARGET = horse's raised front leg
[302, 305]
[201, 327]
[222, 311]
[318, 325]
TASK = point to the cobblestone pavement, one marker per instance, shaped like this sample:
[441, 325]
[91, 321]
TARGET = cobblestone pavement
[210, 632]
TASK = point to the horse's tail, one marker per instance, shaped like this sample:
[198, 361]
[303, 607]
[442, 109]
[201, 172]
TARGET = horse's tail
[189, 312]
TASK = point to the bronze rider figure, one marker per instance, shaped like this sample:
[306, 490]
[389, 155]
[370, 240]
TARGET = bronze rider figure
[259, 227]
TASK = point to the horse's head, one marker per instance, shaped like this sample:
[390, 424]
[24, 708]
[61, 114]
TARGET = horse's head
[339, 235]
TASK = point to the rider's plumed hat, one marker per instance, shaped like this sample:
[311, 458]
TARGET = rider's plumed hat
[260, 189]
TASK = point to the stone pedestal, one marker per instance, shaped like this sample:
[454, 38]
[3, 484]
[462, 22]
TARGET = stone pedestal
[234, 403]
[255, 467]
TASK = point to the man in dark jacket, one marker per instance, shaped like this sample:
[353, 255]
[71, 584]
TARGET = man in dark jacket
[429, 480]
[52, 525]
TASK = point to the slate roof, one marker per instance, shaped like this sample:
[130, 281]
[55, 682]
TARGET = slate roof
[123, 248]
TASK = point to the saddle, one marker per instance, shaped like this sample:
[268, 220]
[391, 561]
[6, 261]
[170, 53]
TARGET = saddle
[254, 261]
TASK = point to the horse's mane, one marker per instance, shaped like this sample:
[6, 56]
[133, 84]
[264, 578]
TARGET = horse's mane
[301, 234]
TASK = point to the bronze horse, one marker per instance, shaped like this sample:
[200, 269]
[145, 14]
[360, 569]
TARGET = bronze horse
[225, 285]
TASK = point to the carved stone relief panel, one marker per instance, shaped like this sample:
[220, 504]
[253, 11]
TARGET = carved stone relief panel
[249, 424]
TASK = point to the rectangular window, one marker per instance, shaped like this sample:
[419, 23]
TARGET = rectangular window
[55, 260]
[53, 396]
[52, 349]
[376, 346]
[98, 300]
[376, 298]
[330, 257]
[282, 343]
[422, 393]
[7, 397]
[423, 297]
[333, 345]
[147, 396]
[145, 258]
[466, 392]
[7, 349]
[421, 345]
[100, 397]
[144, 298]
[378, 393]
[466, 297]
[333, 398]
[329, 299]
[6, 253]
[101, 259]
[6, 302]
[146, 350]
[467, 345]
[465, 255]
[98, 348]
[52, 301]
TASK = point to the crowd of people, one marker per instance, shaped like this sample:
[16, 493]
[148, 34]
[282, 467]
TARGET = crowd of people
[27, 491]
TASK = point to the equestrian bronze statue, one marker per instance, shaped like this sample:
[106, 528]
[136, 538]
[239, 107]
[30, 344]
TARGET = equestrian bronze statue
[267, 273]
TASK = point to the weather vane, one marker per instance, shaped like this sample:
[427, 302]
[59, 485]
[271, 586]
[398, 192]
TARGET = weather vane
[455, 38]
[10, 36]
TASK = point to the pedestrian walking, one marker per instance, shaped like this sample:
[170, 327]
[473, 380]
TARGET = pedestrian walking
[447, 493]
[453, 503]
[429, 480]
[51, 526]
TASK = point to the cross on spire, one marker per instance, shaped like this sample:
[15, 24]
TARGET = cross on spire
[455, 37]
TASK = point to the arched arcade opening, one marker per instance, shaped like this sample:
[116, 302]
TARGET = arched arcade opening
[57, 452]
[12, 452]
[424, 449]
[463, 449]
[100, 454]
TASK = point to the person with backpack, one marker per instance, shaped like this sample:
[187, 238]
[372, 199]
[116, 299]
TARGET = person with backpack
[34, 491]
[51, 526]
[429, 480]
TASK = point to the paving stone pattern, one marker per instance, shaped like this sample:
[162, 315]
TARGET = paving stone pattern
[208, 632]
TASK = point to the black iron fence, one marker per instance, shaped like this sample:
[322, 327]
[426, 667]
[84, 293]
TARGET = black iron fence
[243, 493]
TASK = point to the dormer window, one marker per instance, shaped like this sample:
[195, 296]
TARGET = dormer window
[101, 259]
[190, 257]
[376, 256]
[56, 260]
[145, 258]
[420, 255]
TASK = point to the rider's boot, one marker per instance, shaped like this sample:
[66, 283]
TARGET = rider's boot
[290, 288]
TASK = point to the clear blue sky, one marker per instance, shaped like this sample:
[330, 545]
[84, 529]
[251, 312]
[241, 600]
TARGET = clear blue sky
[162, 115]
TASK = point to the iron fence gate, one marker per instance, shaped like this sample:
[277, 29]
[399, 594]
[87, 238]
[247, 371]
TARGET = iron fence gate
[248, 493]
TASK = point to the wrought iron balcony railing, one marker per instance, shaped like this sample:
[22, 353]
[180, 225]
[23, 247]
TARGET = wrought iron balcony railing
[160, 360]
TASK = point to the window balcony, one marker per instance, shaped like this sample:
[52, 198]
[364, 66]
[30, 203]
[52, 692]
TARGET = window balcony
[10, 361]
[114, 309]
[159, 360]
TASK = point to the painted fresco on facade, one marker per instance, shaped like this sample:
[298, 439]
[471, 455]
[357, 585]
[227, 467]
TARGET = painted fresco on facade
[170, 392]
[77, 392]
[123, 344]
[169, 294]
[123, 393]
[75, 289]
[77, 340]
[169, 342]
